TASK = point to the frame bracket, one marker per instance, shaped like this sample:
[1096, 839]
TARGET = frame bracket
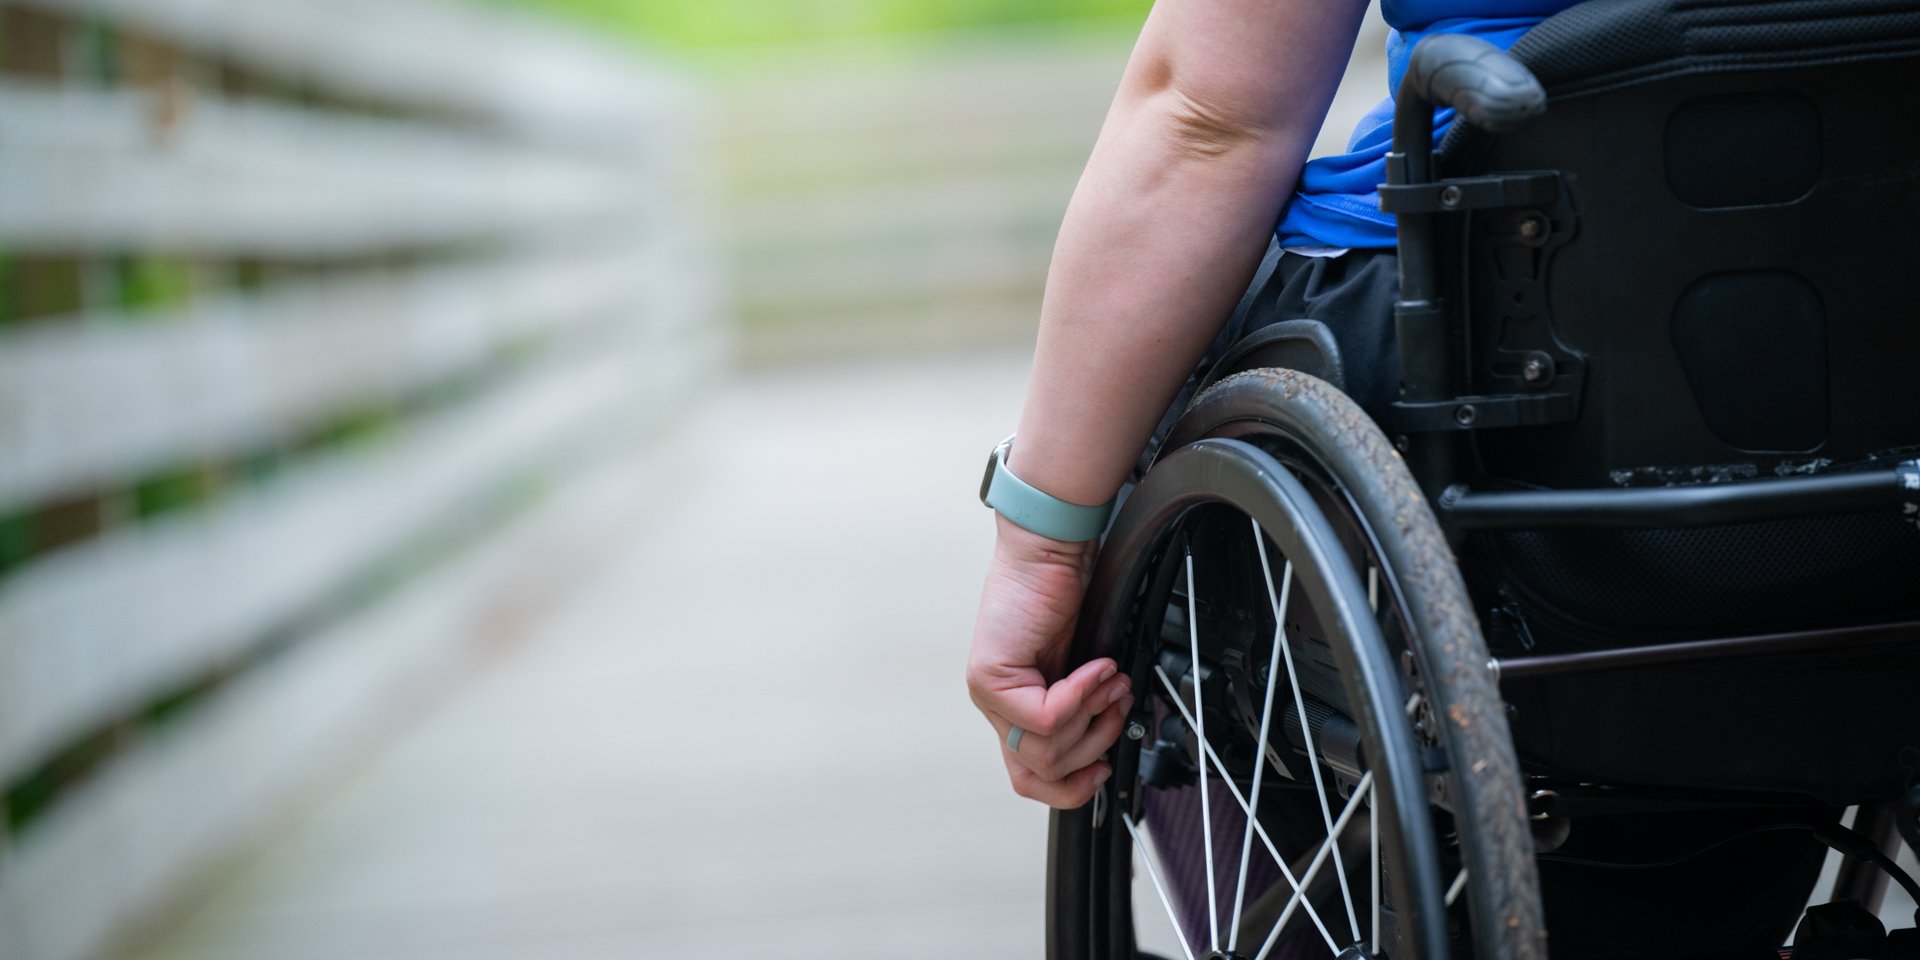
[1529, 189]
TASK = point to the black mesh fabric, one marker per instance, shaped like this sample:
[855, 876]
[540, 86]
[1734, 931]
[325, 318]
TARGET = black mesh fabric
[1607, 44]
[1714, 581]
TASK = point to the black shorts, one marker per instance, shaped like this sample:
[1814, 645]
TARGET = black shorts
[1352, 294]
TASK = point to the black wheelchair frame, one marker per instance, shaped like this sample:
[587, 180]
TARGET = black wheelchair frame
[1499, 431]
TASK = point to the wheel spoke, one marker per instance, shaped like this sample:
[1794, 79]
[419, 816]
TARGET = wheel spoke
[1373, 844]
[1313, 763]
[1266, 718]
[1360, 792]
[1200, 731]
[1146, 857]
[1259, 830]
[1459, 884]
[1373, 809]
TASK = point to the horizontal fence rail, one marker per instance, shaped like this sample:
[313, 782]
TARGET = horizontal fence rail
[435, 56]
[110, 395]
[124, 168]
[91, 629]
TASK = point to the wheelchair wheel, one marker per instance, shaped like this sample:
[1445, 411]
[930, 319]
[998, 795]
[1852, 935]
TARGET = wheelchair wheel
[1318, 763]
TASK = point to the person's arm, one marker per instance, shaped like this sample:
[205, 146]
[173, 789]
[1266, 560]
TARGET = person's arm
[1219, 105]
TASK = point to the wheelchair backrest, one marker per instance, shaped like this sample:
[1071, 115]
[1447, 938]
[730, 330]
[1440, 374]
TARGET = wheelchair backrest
[1726, 280]
[1725, 285]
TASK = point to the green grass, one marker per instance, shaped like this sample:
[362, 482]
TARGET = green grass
[705, 24]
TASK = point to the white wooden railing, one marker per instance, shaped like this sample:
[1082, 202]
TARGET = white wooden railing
[479, 228]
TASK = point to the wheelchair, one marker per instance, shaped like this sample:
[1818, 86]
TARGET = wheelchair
[1584, 639]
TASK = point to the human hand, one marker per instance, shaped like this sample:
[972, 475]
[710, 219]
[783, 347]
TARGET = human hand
[1020, 640]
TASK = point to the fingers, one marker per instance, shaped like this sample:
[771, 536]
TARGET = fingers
[1066, 727]
[1099, 739]
[1050, 710]
[1072, 729]
[1077, 745]
[1067, 794]
[1052, 759]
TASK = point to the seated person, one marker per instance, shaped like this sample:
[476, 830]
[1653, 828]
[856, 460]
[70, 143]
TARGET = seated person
[1197, 170]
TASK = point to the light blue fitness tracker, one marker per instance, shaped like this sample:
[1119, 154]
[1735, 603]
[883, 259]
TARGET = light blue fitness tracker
[1035, 509]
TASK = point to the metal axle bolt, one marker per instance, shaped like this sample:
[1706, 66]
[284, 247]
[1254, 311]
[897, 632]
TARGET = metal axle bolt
[1136, 730]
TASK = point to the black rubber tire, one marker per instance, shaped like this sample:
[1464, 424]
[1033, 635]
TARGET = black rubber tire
[1315, 429]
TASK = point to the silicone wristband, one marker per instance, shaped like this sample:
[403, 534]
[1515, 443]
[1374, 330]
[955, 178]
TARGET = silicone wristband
[1034, 509]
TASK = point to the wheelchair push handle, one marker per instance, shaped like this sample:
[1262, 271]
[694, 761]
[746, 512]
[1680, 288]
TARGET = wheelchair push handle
[1485, 85]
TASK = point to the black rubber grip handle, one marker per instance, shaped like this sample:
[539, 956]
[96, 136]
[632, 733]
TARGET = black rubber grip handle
[1481, 82]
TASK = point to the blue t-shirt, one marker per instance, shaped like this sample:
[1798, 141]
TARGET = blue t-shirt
[1336, 203]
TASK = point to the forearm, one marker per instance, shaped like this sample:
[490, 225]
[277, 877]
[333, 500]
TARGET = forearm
[1157, 245]
[1168, 223]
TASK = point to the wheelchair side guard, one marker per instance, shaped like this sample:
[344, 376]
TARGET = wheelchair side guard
[1303, 345]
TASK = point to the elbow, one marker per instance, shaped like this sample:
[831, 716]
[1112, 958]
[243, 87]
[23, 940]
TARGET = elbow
[1202, 115]
[1203, 124]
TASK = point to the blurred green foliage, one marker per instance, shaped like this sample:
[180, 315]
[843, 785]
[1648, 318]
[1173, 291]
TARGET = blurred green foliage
[722, 23]
[149, 283]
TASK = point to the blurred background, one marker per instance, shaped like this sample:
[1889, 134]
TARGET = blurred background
[496, 478]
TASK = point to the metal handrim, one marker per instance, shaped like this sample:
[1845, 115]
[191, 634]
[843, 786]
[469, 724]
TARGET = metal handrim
[1248, 479]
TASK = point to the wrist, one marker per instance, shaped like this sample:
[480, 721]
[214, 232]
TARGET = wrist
[1070, 465]
[1034, 508]
[1016, 544]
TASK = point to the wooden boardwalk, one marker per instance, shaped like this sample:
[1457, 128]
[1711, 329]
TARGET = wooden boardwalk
[743, 729]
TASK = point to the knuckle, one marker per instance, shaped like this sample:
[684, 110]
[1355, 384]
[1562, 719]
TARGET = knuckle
[1072, 801]
[976, 687]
